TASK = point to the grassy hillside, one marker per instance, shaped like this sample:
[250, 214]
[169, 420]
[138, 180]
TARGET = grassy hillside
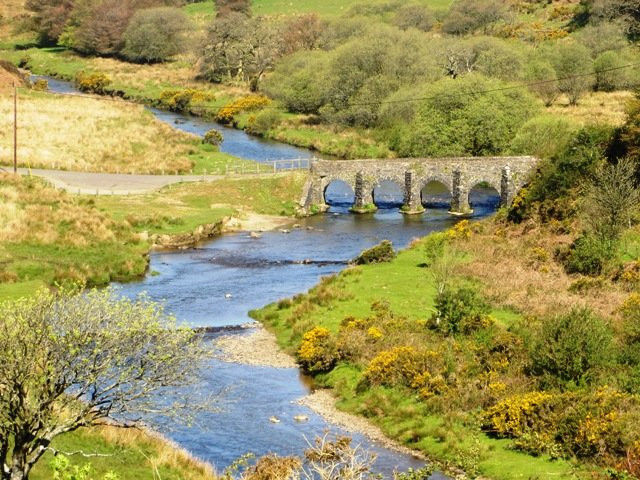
[49, 237]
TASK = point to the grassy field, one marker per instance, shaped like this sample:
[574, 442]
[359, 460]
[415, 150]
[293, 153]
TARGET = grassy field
[49, 237]
[181, 208]
[100, 135]
[129, 453]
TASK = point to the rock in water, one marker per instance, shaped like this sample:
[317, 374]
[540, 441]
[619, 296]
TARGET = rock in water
[274, 419]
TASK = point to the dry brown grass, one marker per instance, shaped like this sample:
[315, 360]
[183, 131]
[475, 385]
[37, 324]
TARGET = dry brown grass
[89, 134]
[166, 453]
[516, 267]
[606, 108]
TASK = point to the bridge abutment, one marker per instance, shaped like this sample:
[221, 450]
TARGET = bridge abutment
[363, 196]
[459, 195]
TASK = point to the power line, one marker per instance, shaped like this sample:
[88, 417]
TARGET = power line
[388, 102]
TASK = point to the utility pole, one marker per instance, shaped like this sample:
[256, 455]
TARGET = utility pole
[15, 128]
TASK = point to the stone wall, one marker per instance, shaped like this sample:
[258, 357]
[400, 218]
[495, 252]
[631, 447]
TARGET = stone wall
[459, 175]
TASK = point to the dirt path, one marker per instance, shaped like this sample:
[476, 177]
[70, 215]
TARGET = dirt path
[120, 183]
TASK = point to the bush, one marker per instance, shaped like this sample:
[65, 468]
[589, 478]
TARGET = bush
[213, 137]
[460, 311]
[183, 100]
[383, 252]
[607, 79]
[543, 136]
[414, 16]
[571, 348]
[243, 104]
[455, 120]
[573, 65]
[156, 35]
[318, 352]
[264, 121]
[588, 255]
[466, 16]
[92, 82]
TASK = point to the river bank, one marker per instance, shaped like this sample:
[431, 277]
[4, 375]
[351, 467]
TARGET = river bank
[259, 347]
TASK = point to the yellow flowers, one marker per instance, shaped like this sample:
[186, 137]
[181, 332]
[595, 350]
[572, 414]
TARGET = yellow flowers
[461, 230]
[250, 102]
[512, 416]
[317, 352]
[374, 333]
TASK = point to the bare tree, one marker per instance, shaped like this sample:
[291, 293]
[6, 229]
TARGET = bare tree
[72, 360]
[612, 199]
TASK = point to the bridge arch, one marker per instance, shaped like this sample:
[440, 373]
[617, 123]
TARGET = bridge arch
[484, 195]
[388, 191]
[435, 193]
[338, 192]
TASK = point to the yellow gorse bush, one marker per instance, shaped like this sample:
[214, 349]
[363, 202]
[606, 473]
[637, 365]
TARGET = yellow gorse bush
[317, 352]
[461, 231]
[512, 417]
[243, 104]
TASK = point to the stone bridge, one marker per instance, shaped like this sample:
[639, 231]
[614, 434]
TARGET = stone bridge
[459, 175]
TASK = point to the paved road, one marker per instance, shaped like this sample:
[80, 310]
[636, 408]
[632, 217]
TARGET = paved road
[119, 183]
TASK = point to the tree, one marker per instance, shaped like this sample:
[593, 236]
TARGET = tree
[50, 17]
[574, 67]
[414, 16]
[240, 48]
[612, 199]
[472, 115]
[228, 7]
[72, 360]
[101, 31]
[302, 32]
[466, 16]
[543, 81]
[156, 34]
[607, 79]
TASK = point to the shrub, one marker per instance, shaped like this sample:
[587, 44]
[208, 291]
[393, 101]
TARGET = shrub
[213, 137]
[588, 255]
[573, 65]
[520, 414]
[92, 82]
[264, 121]
[407, 367]
[156, 35]
[383, 252]
[468, 15]
[571, 348]
[318, 351]
[543, 136]
[183, 100]
[460, 311]
[414, 16]
[539, 73]
[456, 120]
[250, 102]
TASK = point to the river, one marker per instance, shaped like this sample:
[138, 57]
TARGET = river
[215, 285]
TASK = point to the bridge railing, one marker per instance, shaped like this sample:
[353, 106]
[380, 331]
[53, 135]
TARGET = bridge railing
[265, 167]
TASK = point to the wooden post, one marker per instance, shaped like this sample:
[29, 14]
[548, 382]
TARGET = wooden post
[15, 128]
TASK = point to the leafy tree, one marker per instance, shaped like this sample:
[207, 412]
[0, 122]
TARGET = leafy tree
[302, 32]
[543, 81]
[571, 347]
[414, 16]
[608, 79]
[574, 67]
[49, 17]
[156, 34]
[240, 48]
[299, 81]
[459, 311]
[630, 132]
[543, 136]
[464, 117]
[466, 16]
[101, 32]
[612, 199]
[72, 360]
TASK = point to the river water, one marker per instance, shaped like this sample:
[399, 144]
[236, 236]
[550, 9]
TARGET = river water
[215, 284]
